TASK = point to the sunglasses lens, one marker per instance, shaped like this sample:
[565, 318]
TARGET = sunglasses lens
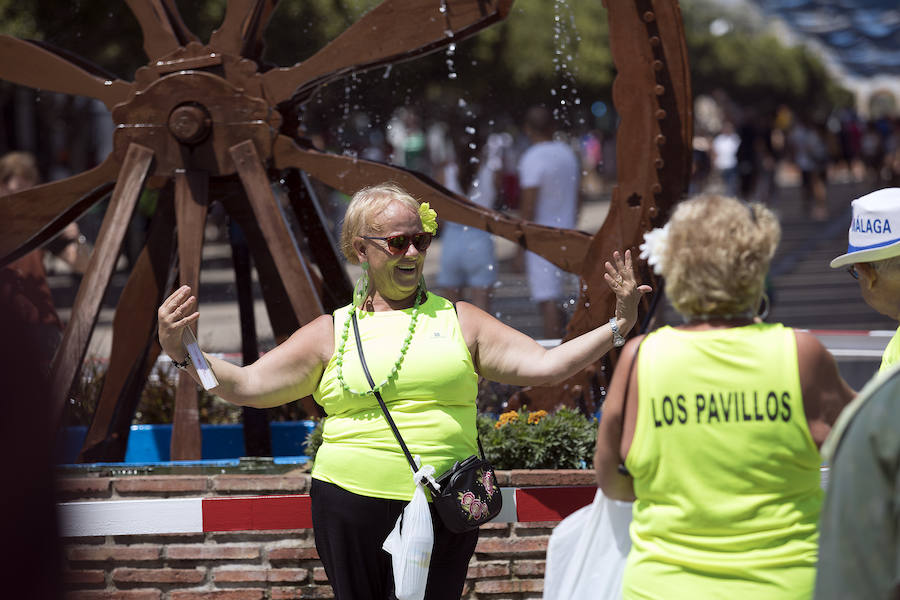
[398, 244]
[421, 241]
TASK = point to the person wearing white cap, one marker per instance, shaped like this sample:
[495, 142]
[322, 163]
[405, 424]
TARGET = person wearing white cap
[873, 258]
[859, 544]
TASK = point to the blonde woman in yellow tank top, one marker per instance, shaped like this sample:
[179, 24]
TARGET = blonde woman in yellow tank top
[718, 421]
[426, 355]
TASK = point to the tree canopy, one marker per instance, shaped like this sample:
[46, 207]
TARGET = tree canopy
[553, 52]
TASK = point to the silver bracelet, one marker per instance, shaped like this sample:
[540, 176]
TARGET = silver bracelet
[184, 363]
[618, 340]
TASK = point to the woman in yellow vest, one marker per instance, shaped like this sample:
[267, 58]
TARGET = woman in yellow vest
[719, 421]
[426, 355]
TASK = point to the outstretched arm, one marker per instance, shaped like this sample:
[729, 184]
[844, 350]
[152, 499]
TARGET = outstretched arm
[290, 371]
[506, 355]
[616, 428]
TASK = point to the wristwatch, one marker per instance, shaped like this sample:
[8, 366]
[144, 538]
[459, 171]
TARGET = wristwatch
[618, 340]
[185, 362]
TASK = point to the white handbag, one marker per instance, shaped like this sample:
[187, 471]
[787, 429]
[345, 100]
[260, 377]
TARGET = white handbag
[587, 551]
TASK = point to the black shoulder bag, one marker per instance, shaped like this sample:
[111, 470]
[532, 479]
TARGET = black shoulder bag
[469, 495]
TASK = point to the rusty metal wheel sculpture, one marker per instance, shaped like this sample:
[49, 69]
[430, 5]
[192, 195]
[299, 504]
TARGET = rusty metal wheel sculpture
[203, 121]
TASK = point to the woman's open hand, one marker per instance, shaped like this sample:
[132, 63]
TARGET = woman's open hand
[177, 312]
[620, 278]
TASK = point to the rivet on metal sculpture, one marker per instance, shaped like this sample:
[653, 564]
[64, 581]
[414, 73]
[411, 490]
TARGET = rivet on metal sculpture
[201, 121]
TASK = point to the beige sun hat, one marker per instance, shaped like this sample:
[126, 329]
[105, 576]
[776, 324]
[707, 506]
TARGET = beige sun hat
[874, 229]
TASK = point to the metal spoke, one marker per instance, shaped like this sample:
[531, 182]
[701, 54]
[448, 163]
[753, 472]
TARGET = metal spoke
[134, 348]
[72, 349]
[384, 35]
[241, 30]
[191, 207]
[290, 263]
[37, 67]
[164, 31]
[35, 215]
[565, 248]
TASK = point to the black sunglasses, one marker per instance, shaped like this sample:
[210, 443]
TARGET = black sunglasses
[399, 244]
[853, 272]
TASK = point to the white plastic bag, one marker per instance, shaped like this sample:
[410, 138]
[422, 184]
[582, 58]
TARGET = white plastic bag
[587, 551]
[410, 548]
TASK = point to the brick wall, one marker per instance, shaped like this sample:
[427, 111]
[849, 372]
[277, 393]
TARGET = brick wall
[269, 565]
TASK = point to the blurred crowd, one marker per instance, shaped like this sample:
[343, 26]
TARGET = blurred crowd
[751, 155]
[453, 149]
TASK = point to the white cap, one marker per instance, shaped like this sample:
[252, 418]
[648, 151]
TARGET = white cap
[874, 228]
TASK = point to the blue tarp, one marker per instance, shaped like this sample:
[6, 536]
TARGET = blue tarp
[149, 444]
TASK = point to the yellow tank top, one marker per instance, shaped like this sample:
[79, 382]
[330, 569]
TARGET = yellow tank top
[726, 473]
[891, 352]
[432, 401]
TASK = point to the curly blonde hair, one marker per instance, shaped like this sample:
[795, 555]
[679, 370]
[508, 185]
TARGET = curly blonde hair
[364, 206]
[717, 255]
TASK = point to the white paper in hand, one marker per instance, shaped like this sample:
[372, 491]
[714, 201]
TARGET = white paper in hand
[207, 377]
[410, 549]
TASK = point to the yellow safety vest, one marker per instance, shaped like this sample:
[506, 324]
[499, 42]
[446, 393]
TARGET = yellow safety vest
[726, 473]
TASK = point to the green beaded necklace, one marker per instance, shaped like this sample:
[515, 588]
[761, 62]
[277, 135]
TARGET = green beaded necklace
[396, 368]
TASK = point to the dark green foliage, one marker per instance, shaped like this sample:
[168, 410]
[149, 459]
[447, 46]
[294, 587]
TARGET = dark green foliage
[561, 440]
[544, 51]
[314, 440]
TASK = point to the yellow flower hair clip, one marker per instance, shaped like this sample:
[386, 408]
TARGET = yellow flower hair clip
[428, 217]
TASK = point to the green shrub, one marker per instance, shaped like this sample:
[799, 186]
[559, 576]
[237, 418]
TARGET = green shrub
[525, 440]
[314, 440]
[564, 439]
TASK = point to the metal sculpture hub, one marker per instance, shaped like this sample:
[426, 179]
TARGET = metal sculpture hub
[190, 119]
[190, 123]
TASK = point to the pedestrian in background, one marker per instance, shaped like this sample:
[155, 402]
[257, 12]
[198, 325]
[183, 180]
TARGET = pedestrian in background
[23, 282]
[549, 177]
[873, 258]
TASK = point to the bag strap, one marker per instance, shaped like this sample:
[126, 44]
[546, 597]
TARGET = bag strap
[387, 415]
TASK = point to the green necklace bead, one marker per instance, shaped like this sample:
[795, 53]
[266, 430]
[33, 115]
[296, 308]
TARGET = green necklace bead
[394, 370]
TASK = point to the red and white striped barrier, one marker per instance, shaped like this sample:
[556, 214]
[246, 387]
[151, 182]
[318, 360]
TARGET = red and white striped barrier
[201, 515]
